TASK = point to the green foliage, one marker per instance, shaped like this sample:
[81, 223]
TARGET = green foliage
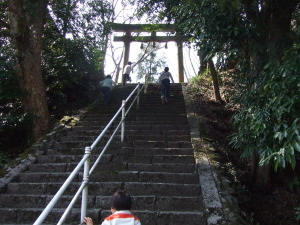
[82, 19]
[297, 213]
[269, 118]
[15, 130]
[70, 66]
[215, 28]
[70, 72]
[15, 126]
[4, 159]
[151, 65]
[293, 183]
[203, 82]
[8, 82]
[4, 17]
[200, 83]
[218, 28]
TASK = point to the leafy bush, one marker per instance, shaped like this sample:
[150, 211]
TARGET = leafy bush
[15, 126]
[71, 74]
[269, 118]
[297, 213]
[15, 129]
[71, 79]
[4, 158]
[201, 83]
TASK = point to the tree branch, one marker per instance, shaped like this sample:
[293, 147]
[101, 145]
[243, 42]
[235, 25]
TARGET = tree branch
[146, 54]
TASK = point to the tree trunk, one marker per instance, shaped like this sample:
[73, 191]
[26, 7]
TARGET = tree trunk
[203, 63]
[27, 22]
[66, 18]
[117, 65]
[277, 18]
[215, 80]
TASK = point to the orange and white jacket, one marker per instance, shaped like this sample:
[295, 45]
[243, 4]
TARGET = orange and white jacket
[121, 218]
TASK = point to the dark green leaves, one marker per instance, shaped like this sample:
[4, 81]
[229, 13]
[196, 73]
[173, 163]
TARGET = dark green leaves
[272, 123]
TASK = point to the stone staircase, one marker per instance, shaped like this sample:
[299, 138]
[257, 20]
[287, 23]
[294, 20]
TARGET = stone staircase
[155, 164]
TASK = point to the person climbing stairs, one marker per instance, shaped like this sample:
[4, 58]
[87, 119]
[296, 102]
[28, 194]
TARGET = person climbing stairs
[155, 164]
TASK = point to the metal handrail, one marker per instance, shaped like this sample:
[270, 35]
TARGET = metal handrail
[85, 161]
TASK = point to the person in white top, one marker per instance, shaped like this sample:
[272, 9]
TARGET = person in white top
[127, 71]
[106, 86]
[164, 81]
[121, 203]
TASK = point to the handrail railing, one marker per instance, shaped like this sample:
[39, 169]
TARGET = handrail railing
[85, 161]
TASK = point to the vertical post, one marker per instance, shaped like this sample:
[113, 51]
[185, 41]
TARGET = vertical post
[86, 180]
[127, 49]
[123, 119]
[138, 97]
[180, 62]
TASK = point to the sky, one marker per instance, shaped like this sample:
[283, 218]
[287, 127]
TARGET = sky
[191, 60]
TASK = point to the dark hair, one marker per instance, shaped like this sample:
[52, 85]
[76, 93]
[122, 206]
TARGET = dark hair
[166, 69]
[108, 76]
[121, 200]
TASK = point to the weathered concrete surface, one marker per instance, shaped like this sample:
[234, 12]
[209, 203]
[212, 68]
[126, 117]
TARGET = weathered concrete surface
[220, 204]
[21, 164]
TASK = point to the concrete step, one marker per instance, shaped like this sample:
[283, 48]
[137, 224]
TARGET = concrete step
[135, 121]
[157, 127]
[104, 188]
[135, 126]
[39, 201]
[153, 203]
[128, 137]
[171, 217]
[161, 144]
[28, 215]
[124, 150]
[115, 176]
[119, 158]
[136, 143]
[120, 166]
[69, 167]
[96, 133]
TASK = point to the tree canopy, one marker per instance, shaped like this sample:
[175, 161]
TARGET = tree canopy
[51, 60]
[148, 67]
[261, 38]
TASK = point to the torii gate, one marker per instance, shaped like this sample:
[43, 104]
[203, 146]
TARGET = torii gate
[153, 28]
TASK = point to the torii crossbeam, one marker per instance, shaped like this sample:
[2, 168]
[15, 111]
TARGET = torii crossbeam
[151, 28]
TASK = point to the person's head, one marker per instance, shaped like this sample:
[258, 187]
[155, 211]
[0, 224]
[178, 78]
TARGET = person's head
[108, 76]
[121, 200]
[166, 69]
[129, 63]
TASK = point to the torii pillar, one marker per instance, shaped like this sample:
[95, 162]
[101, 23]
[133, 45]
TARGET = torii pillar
[127, 39]
[180, 62]
[127, 49]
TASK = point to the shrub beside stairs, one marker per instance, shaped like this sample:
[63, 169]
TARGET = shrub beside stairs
[155, 164]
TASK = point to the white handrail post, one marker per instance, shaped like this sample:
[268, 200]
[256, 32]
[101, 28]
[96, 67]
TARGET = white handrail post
[123, 120]
[138, 97]
[85, 180]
